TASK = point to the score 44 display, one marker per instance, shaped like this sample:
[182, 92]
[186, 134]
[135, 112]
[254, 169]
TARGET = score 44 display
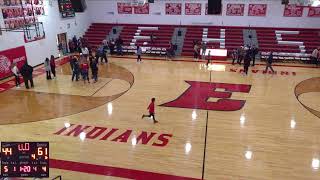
[25, 159]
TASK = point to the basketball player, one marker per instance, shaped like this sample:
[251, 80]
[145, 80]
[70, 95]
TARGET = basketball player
[151, 111]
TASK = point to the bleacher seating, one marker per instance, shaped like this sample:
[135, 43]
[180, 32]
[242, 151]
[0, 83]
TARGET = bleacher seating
[290, 49]
[288, 45]
[96, 33]
[162, 35]
[233, 38]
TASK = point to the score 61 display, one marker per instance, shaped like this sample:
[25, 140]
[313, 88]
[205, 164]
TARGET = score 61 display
[25, 159]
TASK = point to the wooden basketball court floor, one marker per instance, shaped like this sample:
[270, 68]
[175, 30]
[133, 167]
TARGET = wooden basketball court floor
[260, 126]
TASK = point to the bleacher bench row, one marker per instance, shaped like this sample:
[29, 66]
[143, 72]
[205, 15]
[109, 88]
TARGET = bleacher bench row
[145, 50]
[287, 56]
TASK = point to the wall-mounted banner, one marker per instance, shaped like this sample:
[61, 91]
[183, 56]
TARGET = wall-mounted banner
[8, 57]
[124, 8]
[192, 9]
[141, 9]
[293, 11]
[314, 12]
[235, 10]
[173, 8]
[257, 10]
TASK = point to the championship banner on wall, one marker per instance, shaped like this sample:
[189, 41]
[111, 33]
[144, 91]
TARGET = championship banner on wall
[124, 8]
[173, 8]
[314, 12]
[235, 9]
[8, 57]
[192, 9]
[16, 15]
[206, 13]
[257, 10]
[141, 9]
[293, 11]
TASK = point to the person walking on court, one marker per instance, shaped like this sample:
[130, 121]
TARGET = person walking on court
[246, 63]
[255, 51]
[209, 57]
[241, 54]
[314, 56]
[151, 111]
[15, 72]
[203, 48]
[139, 52]
[269, 62]
[94, 69]
[234, 56]
[53, 65]
[196, 51]
[101, 54]
[48, 68]
[26, 72]
[75, 68]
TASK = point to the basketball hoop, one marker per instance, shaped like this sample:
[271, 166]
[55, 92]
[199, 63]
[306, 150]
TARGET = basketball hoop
[33, 32]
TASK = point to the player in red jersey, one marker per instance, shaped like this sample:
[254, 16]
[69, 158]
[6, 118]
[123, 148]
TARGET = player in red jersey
[85, 71]
[151, 111]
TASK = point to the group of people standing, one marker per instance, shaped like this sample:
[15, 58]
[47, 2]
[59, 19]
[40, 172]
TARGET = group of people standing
[248, 54]
[243, 53]
[80, 66]
[50, 67]
[199, 47]
[26, 72]
[76, 44]
[114, 46]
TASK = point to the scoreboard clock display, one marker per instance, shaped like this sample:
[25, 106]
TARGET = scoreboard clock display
[25, 159]
[66, 9]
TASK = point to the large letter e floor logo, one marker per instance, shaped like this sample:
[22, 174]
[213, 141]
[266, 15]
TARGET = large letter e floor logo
[198, 94]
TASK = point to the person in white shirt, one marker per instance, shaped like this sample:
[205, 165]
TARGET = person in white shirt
[15, 72]
[85, 51]
[314, 56]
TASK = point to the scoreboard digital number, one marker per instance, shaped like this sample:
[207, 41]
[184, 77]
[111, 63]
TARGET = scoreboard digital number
[25, 159]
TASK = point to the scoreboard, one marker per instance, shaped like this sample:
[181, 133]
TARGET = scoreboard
[25, 159]
[66, 9]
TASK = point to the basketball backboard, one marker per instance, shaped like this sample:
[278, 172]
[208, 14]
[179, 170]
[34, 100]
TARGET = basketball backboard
[33, 32]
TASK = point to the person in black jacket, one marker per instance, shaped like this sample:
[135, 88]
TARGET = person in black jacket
[94, 69]
[255, 51]
[269, 62]
[26, 72]
[246, 63]
[75, 68]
